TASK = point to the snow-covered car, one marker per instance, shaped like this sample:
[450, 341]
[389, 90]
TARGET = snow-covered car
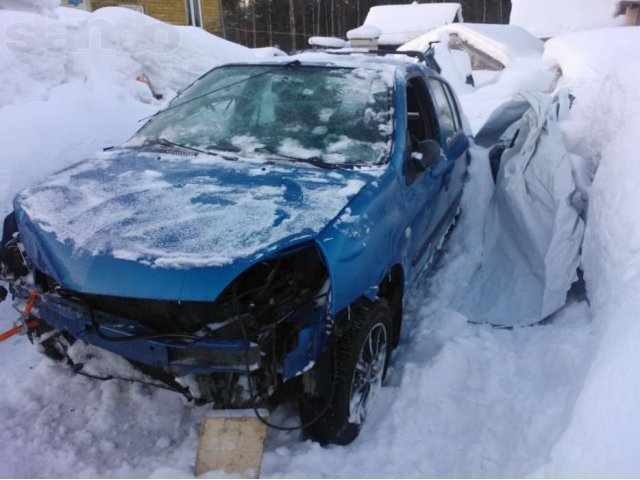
[255, 236]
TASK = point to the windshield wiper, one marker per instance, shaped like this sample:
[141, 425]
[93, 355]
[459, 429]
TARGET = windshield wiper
[169, 143]
[315, 161]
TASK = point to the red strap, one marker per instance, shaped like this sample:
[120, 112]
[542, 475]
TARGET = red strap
[27, 311]
[16, 330]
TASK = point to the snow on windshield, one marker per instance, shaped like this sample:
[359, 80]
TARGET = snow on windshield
[336, 115]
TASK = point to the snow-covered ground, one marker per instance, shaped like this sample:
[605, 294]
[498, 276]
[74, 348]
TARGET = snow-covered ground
[462, 400]
[559, 398]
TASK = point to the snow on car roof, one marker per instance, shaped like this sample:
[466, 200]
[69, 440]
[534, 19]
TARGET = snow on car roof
[505, 43]
[348, 58]
[548, 18]
[402, 23]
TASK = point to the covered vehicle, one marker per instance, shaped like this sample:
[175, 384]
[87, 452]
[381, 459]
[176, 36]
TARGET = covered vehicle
[258, 233]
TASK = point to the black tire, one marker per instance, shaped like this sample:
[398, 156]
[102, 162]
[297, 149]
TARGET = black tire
[342, 422]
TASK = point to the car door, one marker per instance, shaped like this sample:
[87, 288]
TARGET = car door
[421, 188]
[450, 171]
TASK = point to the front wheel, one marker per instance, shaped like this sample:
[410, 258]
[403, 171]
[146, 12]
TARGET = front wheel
[363, 352]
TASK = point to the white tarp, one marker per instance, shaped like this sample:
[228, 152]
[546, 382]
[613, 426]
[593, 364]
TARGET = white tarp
[533, 233]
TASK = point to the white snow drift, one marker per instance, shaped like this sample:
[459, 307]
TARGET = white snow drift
[68, 83]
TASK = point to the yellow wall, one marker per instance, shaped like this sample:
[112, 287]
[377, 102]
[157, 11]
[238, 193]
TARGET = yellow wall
[172, 11]
[211, 16]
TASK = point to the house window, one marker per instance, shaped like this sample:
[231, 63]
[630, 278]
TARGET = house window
[194, 12]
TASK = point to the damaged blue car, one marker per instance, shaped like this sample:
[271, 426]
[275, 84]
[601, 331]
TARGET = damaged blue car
[255, 238]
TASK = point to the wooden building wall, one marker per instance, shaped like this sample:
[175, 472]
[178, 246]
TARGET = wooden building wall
[172, 11]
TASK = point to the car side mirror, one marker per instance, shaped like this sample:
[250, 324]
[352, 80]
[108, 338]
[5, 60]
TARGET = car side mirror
[430, 151]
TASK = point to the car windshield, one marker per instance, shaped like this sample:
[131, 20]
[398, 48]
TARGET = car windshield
[336, 116]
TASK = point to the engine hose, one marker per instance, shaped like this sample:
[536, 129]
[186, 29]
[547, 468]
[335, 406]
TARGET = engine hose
[252, 396]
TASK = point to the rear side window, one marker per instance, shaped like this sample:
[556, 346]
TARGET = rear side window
[454, 108]
[447, 113]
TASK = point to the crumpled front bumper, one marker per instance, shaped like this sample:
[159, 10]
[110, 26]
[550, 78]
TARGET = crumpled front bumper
[178, 356]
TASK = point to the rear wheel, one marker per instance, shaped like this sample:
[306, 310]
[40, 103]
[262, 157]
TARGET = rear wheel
[363, 352]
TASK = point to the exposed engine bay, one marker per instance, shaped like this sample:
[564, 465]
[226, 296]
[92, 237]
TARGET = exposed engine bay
[262, 313]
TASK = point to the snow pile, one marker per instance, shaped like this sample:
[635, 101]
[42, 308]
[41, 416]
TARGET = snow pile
[402, 23]
[42, 6]
[87, 428]
[364, 32]
[69, 82]
[583, 57]
[268, 52]
[327, 42]
[109, 46]
[604, 432]
[548, 18]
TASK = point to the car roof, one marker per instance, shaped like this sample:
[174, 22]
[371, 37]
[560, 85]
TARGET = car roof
[348, 58]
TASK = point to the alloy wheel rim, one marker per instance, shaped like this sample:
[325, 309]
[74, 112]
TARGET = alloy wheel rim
[368, 373]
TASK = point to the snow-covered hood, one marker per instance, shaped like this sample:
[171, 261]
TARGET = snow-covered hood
[174, 213]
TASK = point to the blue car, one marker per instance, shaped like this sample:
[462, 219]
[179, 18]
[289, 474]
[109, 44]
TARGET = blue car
[254, 239]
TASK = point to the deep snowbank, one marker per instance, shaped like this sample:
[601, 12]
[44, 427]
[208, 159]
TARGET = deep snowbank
[603, 436]
[68, 83]
[548, 18]
[589, 56]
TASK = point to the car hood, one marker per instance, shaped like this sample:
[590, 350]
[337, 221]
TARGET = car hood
[155, 225]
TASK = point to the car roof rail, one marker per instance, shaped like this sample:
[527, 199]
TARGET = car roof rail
[427, 58]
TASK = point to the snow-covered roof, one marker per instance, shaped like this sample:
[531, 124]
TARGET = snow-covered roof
[402, 23]
[548, 18]
[327, 42]
[505, 43]
[365, 32]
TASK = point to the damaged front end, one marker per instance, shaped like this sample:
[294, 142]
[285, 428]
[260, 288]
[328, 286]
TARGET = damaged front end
[269, 325]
